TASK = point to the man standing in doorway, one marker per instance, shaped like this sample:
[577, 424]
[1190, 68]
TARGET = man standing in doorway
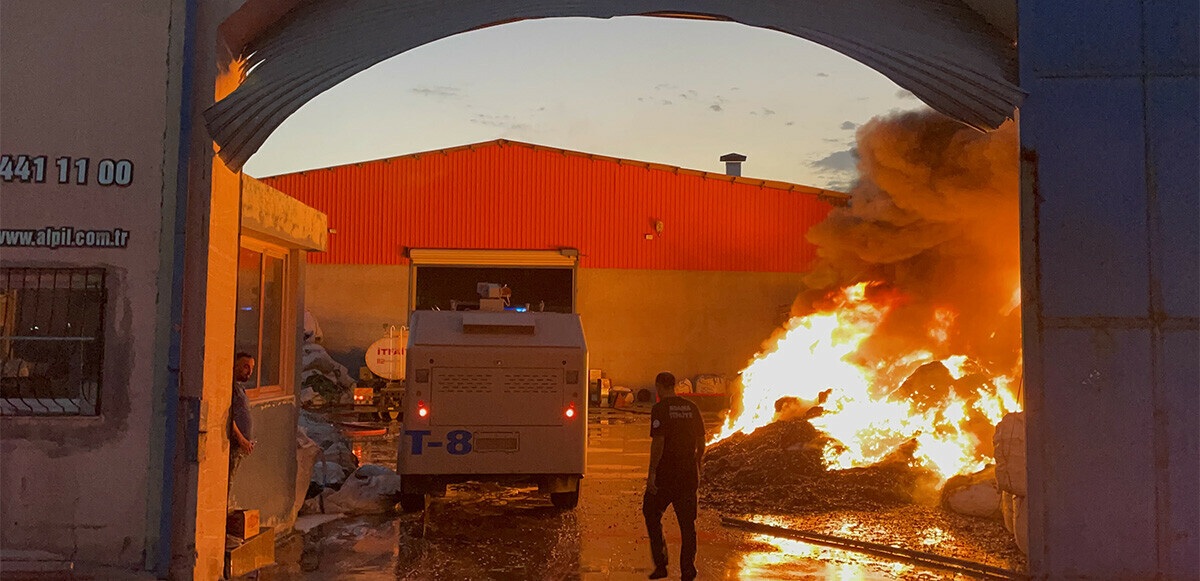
[240, 428]
[676, 446]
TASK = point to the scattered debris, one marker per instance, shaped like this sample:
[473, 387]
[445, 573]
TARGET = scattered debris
[779, 468]
[306, 459]
[709, 384]
[328, 475]
[973, 494]
[325, 377]
[333, 461]
[1009, 441]
[371, 489]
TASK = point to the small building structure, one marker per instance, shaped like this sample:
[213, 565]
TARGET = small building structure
[669, 268]
[80, 428]
[278, 233]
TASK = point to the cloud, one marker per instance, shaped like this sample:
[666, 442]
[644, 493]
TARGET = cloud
[838, 185]
[849, 125]
[789, 123]
[438, 92]
[903, 94]
[822, 74]
[501, 121]
[716, 107]
[667, 102]
[838, 161]
[839, 170]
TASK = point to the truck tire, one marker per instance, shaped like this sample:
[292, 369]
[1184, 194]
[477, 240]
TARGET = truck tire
[565, 500]
[410, 502]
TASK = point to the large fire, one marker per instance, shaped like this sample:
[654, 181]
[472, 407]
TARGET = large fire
[908, 340]
[814, 362]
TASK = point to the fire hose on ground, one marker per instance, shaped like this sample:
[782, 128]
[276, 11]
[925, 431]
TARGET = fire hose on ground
[907, 555]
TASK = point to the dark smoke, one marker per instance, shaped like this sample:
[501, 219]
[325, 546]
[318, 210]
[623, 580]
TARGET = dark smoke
[933, 217]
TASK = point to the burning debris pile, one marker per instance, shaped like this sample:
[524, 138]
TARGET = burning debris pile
[904, 352]
[780, 469]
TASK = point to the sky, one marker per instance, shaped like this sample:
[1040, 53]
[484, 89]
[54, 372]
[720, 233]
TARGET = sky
[678, 92]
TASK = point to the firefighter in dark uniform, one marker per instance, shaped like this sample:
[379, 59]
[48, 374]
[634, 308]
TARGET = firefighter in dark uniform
[677, 444]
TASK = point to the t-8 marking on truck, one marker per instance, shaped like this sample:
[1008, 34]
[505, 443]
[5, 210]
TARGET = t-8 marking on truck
[458, 442]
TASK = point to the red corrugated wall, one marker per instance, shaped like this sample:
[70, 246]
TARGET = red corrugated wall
[510, 195]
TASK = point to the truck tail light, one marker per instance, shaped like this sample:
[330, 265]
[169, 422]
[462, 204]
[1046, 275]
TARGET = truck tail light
[570, 413]
[422, 411]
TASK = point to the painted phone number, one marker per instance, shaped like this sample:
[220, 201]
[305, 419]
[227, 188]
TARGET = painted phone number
[78, 171]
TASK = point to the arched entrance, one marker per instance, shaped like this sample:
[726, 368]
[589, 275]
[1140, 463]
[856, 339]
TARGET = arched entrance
[952, 58]
[1109, 216]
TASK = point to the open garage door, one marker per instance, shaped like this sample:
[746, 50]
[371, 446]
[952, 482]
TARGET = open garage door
[447, 279]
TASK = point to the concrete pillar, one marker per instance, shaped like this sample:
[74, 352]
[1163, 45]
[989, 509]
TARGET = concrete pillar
[209, 311]
[1110, 275]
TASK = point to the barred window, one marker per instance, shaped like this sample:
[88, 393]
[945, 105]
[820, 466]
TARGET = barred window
[51, 340]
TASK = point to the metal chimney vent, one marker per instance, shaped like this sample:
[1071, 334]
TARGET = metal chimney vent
[733, 163]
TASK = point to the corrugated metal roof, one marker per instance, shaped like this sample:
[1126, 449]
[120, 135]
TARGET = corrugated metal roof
[510, 195]
[948, 55]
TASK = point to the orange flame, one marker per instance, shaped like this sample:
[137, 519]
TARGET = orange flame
[815, 354]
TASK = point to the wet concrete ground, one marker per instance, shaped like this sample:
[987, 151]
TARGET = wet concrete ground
[483, 531]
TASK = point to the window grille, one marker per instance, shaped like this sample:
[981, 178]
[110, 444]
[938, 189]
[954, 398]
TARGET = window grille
[51, 341]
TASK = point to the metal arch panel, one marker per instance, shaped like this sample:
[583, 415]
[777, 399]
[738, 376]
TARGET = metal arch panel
[940, 50]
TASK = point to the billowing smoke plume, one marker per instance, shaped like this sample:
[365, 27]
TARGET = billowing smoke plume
[934, 217]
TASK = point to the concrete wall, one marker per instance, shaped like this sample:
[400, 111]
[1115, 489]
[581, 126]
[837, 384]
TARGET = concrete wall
[641, 322]
[638, 322]
[266, 480]
[91, 81]
[1111, 258]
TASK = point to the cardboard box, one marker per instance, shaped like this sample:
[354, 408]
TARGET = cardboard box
[257, 552]
[242, 524]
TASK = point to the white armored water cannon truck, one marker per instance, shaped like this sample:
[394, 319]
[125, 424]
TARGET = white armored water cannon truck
[494, 395]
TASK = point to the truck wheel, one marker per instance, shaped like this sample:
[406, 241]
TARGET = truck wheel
[412, 502]
[565, 500]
